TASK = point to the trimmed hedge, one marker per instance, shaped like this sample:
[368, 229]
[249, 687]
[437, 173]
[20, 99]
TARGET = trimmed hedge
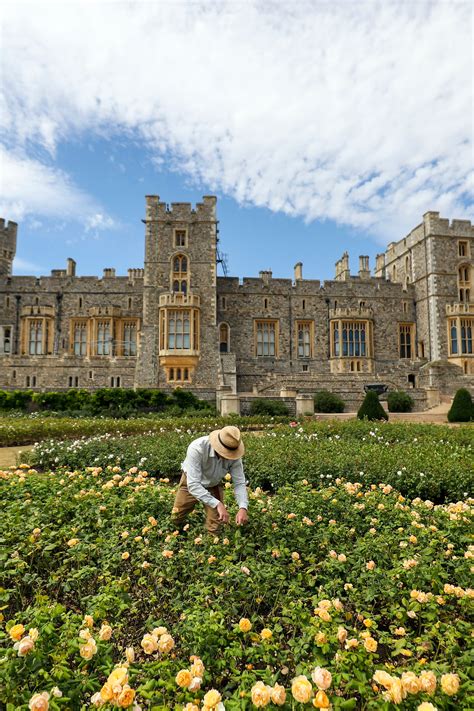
[325, 401]
[399, 401]
[268, 407]
[462, 409]
[371, 409]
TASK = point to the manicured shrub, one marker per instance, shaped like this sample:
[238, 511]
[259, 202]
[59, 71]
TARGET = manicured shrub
[399, 401]
[371, 408]
[461, 409]
[325, 401]
[268, 407]
[18, 399]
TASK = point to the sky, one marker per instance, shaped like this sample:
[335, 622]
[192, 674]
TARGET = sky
[320, 126]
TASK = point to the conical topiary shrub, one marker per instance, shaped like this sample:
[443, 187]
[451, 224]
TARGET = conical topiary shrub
[461, 409]
[371, 408]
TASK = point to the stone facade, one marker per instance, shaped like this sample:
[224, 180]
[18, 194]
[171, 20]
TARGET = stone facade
[174, 322]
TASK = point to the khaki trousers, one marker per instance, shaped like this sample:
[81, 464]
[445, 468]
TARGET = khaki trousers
[184, 503]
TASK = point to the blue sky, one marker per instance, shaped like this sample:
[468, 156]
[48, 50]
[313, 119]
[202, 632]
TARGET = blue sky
[320, 127]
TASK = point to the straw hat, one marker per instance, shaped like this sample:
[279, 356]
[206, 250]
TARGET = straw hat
[227, 442]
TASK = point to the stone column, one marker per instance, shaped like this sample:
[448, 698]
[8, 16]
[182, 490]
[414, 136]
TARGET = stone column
[229, 404]
[304, 405]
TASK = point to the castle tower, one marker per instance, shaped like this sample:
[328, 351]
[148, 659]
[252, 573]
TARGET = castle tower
[7, 246]
[179, 344]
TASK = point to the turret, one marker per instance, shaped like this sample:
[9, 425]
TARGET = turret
[7, 246]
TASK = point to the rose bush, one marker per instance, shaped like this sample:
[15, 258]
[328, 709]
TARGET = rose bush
[347, 594]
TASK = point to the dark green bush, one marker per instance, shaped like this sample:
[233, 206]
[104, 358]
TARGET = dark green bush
[17, 399]
[399, 401]
[371, 408]
[268, 407]
[325, 401]
[461, 409]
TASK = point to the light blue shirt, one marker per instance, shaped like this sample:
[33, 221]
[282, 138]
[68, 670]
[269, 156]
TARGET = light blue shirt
[204, 469]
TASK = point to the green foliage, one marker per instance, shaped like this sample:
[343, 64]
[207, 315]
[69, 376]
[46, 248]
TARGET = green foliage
[399, 401]
[16, 399]
[325, 401]
[430, 461]
[462, 408]
[261, 406]
[371, 409]
[202, 591]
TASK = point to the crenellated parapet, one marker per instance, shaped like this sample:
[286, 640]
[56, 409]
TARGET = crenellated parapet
[436, 225]
[204, 211]
[8, 233]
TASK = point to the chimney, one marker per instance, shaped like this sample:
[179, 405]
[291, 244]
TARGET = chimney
[109, 272]
[380, 265]
[70, 267]
[265, 276]
[298, 271]
[364, 269]
[342, 268]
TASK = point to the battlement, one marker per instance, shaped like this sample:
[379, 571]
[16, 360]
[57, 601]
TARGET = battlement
[436, 225]
[8, 232]
[204, 211]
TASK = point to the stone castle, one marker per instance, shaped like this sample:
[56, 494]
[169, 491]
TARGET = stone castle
[174, 322]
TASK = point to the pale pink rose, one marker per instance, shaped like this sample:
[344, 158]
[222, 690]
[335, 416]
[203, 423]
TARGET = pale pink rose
[322, 678]
[25, 645]
[39, 702]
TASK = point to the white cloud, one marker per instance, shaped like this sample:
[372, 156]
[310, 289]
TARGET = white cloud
[23, 266]
[29, 187]
[359, 112]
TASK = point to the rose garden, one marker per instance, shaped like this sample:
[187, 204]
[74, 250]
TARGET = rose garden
[349, 588]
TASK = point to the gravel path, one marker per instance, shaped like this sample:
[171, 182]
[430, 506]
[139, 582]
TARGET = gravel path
[8, 455]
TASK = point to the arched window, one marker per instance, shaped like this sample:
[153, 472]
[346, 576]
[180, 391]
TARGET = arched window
[224, 338]
[180, 275]
[464, 283]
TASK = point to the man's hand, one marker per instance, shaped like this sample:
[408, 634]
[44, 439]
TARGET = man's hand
[223, 513]
[242, 517]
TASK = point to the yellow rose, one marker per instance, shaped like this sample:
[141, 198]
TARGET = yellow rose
[245, 625]
[295, 556]
[301, 689]
[158, 631]
[278, 695]
[125, 555]
[383, 678]
[321, 700]
[428, 681]
[450, 684]
[16, 632]
[341, 635]
[212, 698]
[39, 702]
[25, 645]
[321, 638]
[149, 644]
[370, 644]
[106, 693]
[266, 633]
[119, 675]
[396, 692]
[130, 655]
[195, 684]
[261, 694]
[410, 682]
[105, 633]
[197, 667]
[190, 707]
[88, 649]
[73, 542]
[322, 678]
[324, 615]
[126, 697]
[165, 643]
[33, 633]
[370, 565]
[183, 678]
[426, 706]
[88, 620]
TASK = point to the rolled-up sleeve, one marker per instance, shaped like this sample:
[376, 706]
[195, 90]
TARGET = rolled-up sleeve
[193, 470]
[238, 480]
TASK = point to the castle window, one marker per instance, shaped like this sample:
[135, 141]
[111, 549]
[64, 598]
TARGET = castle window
[265, 303]
[7, 301]
[394, 273]
[421, 349]
[406, 340]
[80, 302]
[180, 238]
[266, 338]
[27, 381]
[180, 275]
[223, 303]
[115, 381]
[129, 302]
[224, 338]
[178, 375]
[362, 304]
[464, 283]
[467, 327]
[303, 304]
[14, 375]
[463, 248]
[305, 367]
[91, 375]
[453, 332]
[5, 339]
[405, 307]
[33, 381]
[80, 338]
[179, 330]
[73, 381]
[129, 346]
[355, 366]
[350, 338]
[36, 301]
[35, 340]
[304, 331]
[103, 338]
